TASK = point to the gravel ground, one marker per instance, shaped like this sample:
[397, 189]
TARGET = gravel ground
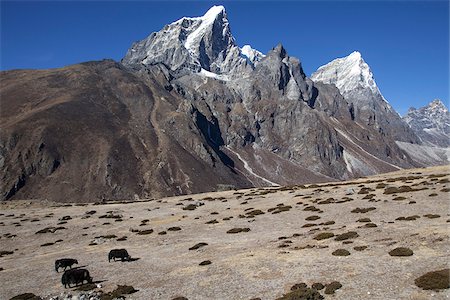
[278, 251]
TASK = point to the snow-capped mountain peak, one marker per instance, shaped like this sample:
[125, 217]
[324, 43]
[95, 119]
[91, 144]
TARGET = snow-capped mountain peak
[193, 44]
[251, 54]
[202, 25]
[347, 73]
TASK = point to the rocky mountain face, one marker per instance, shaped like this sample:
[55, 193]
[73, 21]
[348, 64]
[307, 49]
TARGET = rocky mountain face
[187, 111]
[431, 123]
[355, 81]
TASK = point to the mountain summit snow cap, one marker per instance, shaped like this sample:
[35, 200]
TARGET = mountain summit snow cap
[347, 73]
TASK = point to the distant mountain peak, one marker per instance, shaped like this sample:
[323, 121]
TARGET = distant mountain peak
[431, 123]
[347, 73]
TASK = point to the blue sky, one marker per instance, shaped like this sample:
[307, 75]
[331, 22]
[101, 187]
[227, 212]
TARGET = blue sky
[406, 43]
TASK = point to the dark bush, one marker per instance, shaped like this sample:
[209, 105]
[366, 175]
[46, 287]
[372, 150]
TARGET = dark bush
[298, 286]
[145, 232]
[324, 235]
[302, 294]
[197, 246]
[401, 251]
[312, 218]
[190, 207]
[176, 228]
[360, 248]
[205, 263]
[410, 218]
[431, 216]
[318, 286]
[4, 252]
[237, 230]
[364, 220]
[346, 236]
[363, 210]
[341, 252]
[435, 280]
[332, 287]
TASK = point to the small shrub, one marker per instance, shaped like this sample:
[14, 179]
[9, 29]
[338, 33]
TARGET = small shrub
[431, 216]
[123, 238]
[324, 235]
[401, 251]
[311, 208]
[380, 185]
[332, 287]
[298, 286]
[254, 213]
[363, 210]
[364, 220]
[176, 228]
[197, 246]
[205, 263]
[309, 225]
[5, 252]
[327, 223]
[279, 209]
[312, 218]
[370, 225]
[399, 198]
[346, 236]
[190, 207]
[47, 244]
[341, 252]
[365, 190]
[145, 232]
[410, 218]
[360, 248]
[108, 236]
[435, 280]
[302, 294]
[212, 222]
[318, 286]
[238, 230]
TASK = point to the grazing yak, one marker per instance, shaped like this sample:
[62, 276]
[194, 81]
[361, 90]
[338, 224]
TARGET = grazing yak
[64, 263]
[75, 276]
[118, 253]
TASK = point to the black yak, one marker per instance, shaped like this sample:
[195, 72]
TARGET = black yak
[118, 253]
[64, 263]
[75, 277]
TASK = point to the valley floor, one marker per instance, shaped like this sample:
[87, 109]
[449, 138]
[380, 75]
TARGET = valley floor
[278, 251]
